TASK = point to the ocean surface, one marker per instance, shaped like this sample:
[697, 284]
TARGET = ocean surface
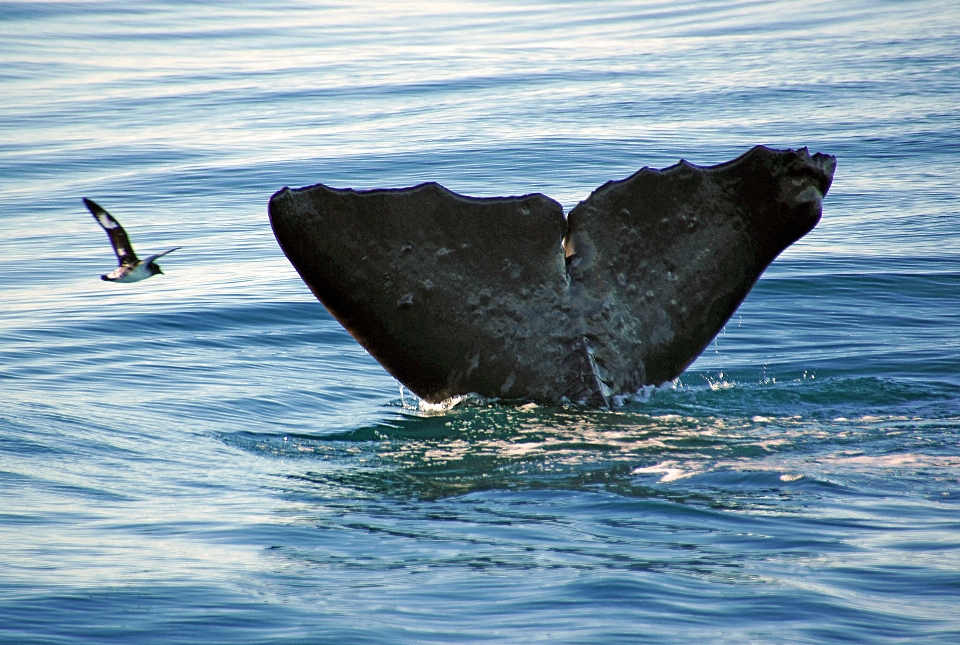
[208, 457]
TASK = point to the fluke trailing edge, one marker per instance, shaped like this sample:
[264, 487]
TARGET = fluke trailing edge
[131, 268]
[506, 298]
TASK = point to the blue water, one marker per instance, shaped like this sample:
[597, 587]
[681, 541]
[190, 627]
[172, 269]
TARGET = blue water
[209, 457]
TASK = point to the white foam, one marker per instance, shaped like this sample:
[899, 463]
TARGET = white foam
[669, 469]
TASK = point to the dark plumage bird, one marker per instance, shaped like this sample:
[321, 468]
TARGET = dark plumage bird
[131, 268]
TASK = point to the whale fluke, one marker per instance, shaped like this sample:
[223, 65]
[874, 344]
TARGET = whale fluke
[506, 298]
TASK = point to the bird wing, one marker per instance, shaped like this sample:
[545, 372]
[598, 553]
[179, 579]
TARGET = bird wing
[153, 257]
[118, 236]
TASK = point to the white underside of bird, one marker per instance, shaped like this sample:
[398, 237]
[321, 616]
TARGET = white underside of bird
[134, 273]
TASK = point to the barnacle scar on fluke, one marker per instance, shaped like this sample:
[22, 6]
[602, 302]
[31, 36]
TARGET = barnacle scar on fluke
[506, 298]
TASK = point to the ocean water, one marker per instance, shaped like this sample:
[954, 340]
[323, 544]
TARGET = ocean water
[207, 456]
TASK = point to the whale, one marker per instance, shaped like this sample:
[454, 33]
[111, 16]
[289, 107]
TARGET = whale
[511, 299]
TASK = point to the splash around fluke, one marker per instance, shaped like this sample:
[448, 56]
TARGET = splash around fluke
[506, 298]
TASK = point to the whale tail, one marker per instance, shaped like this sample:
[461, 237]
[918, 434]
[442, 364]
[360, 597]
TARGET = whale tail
[506, 298]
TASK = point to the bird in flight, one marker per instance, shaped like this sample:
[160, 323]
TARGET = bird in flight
[131, 268]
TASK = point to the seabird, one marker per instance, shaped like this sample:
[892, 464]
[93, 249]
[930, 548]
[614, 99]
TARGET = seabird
[131, 268]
